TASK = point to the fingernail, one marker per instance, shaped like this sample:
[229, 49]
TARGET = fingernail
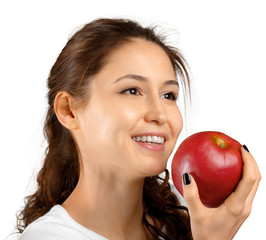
[245, 147]
[186, 178]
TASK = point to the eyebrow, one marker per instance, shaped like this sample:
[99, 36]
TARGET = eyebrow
[144, 79]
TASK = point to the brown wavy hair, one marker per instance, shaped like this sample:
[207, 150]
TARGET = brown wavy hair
[83, 57]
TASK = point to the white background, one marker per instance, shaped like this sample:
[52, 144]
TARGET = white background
[224, 43]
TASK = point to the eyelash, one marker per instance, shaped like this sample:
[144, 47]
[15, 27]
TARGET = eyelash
[173, 95]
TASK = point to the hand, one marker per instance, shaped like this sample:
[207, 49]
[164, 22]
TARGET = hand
[222, 223]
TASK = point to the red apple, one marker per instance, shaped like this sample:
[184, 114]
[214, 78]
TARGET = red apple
[214, 160]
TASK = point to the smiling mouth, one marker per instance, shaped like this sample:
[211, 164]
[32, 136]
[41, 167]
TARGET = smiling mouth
[153, 140]
[150, 145]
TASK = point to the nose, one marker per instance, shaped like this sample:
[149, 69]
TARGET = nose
[155, 112]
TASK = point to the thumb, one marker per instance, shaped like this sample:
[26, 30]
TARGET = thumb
[191, 196]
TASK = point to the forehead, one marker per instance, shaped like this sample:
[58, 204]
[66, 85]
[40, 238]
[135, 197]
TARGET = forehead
[140, 57]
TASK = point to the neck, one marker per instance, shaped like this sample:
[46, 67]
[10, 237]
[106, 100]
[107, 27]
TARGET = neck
[113, 200]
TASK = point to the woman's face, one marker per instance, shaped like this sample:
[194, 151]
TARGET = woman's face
[131, 97]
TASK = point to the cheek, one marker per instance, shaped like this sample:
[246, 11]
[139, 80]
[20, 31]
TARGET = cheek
[108, 126]
[176, 122]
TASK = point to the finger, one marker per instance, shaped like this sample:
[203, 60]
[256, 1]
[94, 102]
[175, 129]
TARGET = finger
[191, 196]
[256, 185]
[249, 176]
[250, 198]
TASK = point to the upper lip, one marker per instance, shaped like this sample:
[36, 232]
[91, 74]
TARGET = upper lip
[158, 134]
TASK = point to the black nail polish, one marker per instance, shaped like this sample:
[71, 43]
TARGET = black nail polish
[245, 147]
[186, 178]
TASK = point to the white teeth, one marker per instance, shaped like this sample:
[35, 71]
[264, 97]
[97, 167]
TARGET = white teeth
[143, 138]
[149, 139]
[154, 139]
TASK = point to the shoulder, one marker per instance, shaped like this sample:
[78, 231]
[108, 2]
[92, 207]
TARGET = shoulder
[57, 225]
[37, 231]
[47, 227]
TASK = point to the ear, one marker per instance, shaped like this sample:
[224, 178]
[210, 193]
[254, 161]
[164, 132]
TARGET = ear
[63, 107]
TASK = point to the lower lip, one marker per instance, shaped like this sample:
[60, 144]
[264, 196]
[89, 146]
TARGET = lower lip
[152, 147]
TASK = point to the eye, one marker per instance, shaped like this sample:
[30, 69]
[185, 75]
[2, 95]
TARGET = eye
[132, 91]
[170, 96]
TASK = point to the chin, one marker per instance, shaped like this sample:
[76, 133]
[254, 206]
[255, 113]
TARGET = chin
[154, 168]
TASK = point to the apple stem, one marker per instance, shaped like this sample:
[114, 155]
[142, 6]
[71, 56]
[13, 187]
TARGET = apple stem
[220, 143]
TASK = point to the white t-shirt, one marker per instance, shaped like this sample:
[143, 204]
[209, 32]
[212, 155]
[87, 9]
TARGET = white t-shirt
[58, 225]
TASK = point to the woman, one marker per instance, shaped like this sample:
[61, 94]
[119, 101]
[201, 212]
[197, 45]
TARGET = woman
[111, 125]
